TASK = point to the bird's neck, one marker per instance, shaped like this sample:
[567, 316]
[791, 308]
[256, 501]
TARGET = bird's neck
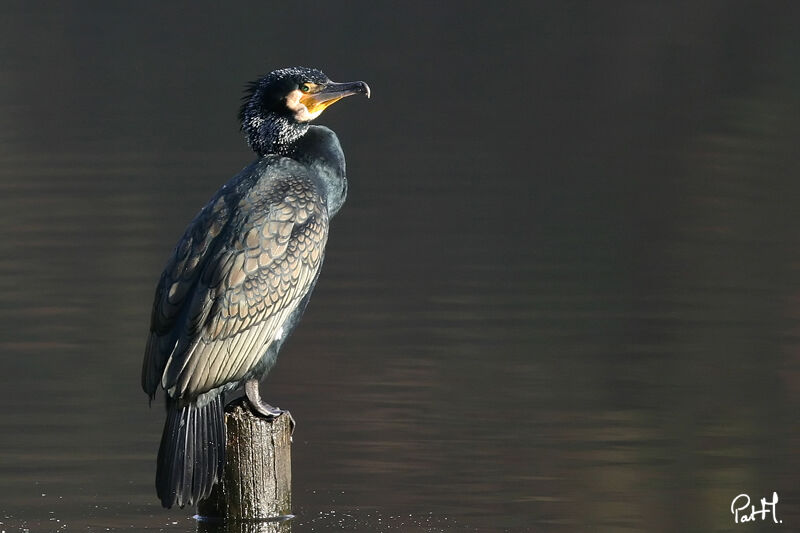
[320, 150]
[273, 134]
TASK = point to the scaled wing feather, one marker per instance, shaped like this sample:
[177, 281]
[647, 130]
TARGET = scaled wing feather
[227, 291]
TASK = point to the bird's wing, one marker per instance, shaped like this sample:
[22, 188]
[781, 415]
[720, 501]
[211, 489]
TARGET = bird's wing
[219, 304]
[177, 306]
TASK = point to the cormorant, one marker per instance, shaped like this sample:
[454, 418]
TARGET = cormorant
[241, 276]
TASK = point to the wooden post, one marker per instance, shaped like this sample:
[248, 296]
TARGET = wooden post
[257, 481]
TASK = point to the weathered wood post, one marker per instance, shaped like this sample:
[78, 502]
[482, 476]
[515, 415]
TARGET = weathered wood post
[257, 479]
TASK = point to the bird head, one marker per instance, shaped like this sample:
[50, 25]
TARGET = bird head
[278, 107]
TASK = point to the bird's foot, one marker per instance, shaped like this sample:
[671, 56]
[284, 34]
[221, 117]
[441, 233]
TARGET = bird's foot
[271, 413]
[264, 409]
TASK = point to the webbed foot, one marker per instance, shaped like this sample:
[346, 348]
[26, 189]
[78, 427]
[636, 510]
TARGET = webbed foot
[264, 409]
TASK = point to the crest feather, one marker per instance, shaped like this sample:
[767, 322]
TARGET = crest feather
[249, 90]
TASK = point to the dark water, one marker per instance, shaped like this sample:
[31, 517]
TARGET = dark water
[564, 293]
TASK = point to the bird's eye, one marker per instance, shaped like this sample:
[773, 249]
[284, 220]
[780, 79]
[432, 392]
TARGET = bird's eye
[305, 88]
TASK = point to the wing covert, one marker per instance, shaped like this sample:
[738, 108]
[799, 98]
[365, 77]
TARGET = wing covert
[241, 297]
[178, 302]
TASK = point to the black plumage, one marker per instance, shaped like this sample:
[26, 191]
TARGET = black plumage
[240, 277]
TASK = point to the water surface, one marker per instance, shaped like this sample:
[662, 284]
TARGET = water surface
[564, 292]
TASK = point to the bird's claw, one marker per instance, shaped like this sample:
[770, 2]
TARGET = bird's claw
[292, 423]
[271, 413]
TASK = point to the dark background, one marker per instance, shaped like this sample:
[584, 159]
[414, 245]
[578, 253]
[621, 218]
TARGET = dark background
[564, 292]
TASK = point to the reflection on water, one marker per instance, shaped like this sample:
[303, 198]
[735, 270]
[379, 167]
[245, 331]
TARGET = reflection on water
[563, 293]
[271, 526]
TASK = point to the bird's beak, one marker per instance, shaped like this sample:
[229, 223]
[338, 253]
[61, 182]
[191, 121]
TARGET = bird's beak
[329, 93]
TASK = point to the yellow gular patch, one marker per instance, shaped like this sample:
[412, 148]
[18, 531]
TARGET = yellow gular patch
[315, 105]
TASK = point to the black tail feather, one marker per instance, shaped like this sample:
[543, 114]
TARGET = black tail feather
[192, 453]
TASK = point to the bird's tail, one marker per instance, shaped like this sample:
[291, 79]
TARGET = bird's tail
[192, 452]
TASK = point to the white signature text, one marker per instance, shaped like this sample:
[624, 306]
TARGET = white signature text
[743, 512]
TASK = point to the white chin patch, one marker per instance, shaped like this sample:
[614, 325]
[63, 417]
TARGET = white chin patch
[301, 113]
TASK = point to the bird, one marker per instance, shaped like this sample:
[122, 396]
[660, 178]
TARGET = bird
[240, 277]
